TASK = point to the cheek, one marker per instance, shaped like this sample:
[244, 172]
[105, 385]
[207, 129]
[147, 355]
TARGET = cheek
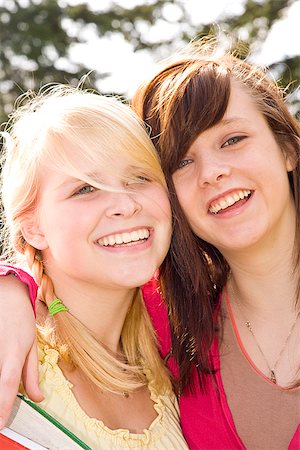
[186, 199]
[183, 187]
[159, 204]
[167, 212]
[65, 230]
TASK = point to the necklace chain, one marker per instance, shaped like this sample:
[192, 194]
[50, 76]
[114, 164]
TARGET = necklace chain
[272, 375]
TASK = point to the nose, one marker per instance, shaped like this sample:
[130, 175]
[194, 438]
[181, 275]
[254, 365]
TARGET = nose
[213, 170]
[122, 204]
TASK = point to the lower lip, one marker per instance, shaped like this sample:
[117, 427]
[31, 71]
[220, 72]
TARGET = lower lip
[134, 247]
[234, 210]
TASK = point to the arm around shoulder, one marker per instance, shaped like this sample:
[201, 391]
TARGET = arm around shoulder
[18, 353]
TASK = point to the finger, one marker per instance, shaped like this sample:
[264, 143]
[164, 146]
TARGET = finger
[30, 375]
[9, 385]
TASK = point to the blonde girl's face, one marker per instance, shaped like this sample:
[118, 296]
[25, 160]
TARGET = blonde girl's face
[96, 237]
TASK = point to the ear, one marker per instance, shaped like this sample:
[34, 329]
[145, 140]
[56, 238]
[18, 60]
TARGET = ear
[290, 159]
[290, 163]
[33, 234]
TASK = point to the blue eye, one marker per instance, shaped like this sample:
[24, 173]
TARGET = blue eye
[184, 163]
[233, 140]
[85, 190]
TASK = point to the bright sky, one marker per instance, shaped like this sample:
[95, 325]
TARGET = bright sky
[128, 69]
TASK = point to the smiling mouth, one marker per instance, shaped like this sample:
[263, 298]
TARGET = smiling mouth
[126, 239]
[229, 200]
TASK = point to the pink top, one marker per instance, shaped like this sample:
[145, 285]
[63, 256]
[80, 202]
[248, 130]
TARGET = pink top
[206, 419]
[6, 269]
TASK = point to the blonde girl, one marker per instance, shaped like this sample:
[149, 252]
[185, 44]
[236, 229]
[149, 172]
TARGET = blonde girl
[86, 210]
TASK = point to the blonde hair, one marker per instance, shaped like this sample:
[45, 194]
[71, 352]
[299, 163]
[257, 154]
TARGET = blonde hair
[103, 130]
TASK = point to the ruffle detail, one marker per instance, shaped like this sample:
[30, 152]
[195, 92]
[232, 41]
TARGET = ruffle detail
[53, 384]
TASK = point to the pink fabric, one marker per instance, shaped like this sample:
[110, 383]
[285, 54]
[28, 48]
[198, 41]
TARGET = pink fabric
[24, 277]
[206, 419]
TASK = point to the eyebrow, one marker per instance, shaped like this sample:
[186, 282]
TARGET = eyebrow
[95, 176]
[231, 120]
[73, 180]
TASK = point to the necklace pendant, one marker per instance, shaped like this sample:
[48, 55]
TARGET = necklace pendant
[272, 377]
[125, 394]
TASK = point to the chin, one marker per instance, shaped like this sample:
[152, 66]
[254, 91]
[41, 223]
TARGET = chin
[137, 277]
[244, 243]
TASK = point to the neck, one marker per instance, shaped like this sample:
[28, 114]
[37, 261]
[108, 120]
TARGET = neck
[268, 264]
[266, 280]
[264, 301]
[262, 292]
[103, 311]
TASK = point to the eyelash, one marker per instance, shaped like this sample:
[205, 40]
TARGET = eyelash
[234, 139]
[139, 179]
[184, 163]
[82, 190]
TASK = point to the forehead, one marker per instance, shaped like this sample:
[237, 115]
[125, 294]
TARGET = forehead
[242, 110]
[241, 102]
[68, 161]
[64, 154]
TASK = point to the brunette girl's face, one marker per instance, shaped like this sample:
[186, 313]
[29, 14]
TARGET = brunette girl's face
[232, 183]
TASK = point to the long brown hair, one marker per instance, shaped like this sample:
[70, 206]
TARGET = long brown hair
[187, 97]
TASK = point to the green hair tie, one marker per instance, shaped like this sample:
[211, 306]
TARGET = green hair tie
[56, 306]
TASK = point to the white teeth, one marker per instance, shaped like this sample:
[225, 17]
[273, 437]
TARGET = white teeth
[134, 236]
[228, 200]
[124, 238]
[111, 240]
[105, 241]
[141, 234]
[119, 239]
[231, 201]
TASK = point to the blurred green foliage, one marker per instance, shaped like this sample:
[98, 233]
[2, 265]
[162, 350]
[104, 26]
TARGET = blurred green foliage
[36, 35]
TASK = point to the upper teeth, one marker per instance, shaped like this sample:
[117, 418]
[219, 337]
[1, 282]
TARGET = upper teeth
[228, 200]
[125, 238]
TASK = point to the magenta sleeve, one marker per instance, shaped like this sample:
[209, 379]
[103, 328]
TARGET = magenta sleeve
[24, 277]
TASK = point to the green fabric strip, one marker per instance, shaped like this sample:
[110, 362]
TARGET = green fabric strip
[55, 422]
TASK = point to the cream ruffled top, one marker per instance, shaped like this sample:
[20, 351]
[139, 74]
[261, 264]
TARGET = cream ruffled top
[163, 434]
